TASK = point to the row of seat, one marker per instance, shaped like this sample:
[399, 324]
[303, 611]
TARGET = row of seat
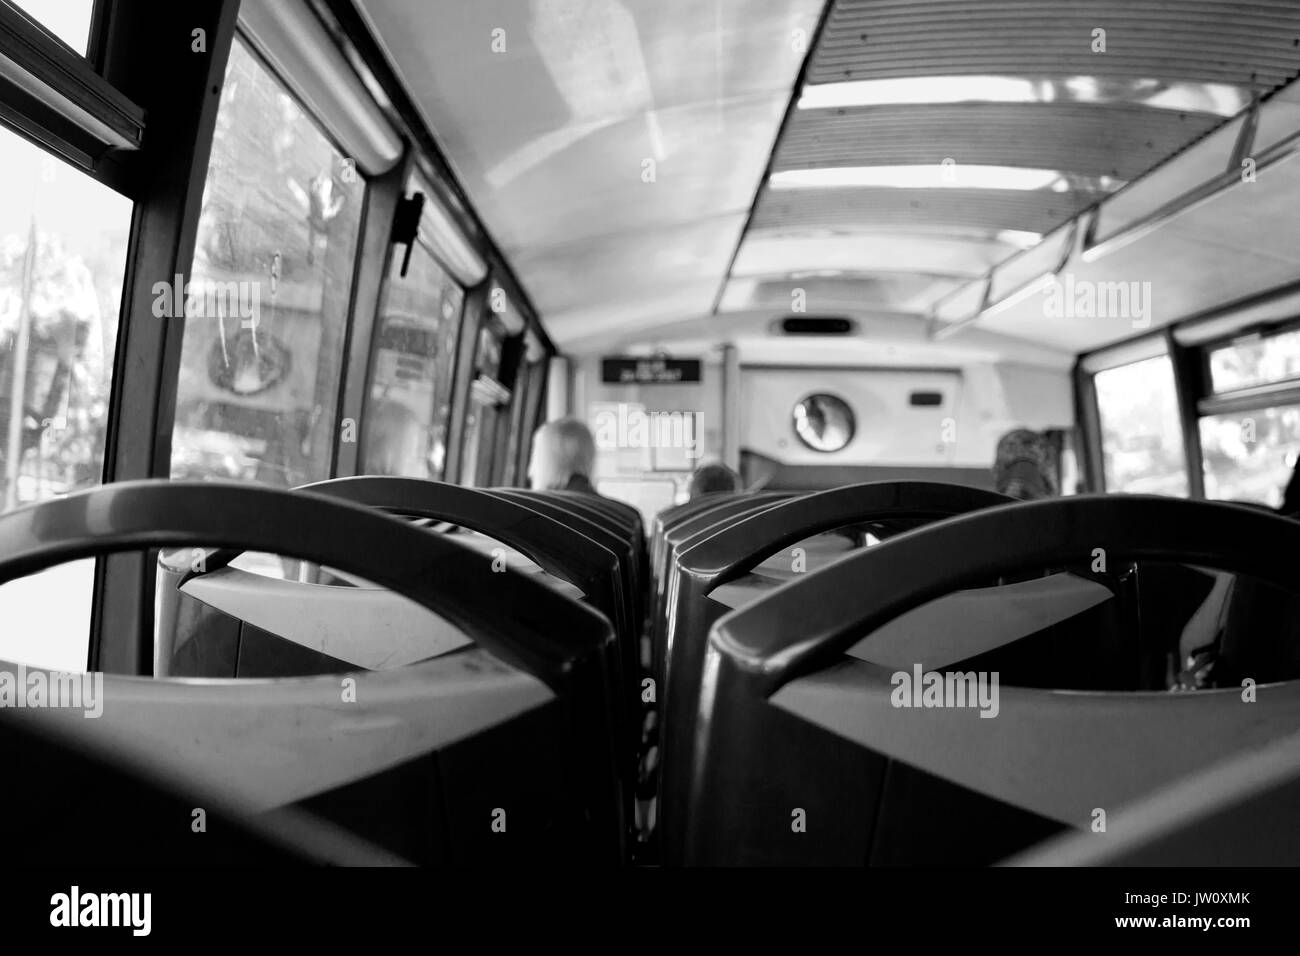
[504, 721]
[514, 741]
[782, 743]
[711, 553]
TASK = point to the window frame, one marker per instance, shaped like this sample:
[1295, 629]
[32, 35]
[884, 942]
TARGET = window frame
[533, 404]
[70, 108]
[172, 94]
[1244, 400]
[519, 398]
[1087, 416]
[362, 268]
[503, 384]
[136, 117]
[1160, 344]
[376, 252]
[458, 328]
[1191, 374]
[1188, 343]
[1246, 396]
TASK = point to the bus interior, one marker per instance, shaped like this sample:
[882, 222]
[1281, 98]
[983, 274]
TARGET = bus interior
[988, 312]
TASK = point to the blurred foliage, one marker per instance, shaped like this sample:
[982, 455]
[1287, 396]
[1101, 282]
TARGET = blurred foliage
[66, 387]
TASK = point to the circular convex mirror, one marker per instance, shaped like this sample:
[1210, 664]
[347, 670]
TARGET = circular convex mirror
[823, 422]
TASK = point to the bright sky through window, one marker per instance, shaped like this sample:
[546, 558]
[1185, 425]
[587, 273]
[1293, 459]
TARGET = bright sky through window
[69, 20]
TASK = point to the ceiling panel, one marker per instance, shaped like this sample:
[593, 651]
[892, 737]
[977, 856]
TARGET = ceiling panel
[1118, 141]
[614, 148]
[609, 269]
[767, 253]
[1243, 241]
[1233, 42]
[1278, 117]
[635, 318]
[1012, 87]
[880, 294]
[598, 188]
[588, 133]
[1037, 211]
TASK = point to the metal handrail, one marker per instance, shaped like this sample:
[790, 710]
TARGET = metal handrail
[1212, 188]
[1021, 291]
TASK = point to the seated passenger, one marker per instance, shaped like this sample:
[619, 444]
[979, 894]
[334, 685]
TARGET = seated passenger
[713, 478]
[564, 457]
[1024, 467]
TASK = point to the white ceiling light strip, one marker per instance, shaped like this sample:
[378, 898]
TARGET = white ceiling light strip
[1218, 99]
[939, 176]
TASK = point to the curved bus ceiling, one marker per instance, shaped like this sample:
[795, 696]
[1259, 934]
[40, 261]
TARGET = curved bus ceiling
[932, 141]
[613, 148]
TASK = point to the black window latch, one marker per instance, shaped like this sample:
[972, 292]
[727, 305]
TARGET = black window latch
[406, 225]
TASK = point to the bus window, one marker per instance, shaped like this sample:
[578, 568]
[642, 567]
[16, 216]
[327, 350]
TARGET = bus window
[533, 412]
[69, 20]
[405, 429]
[266, 307]
[489, 351]
[1249, 456]
[63, 244]
[1250, 451]
[488, 411]
[1255, 361]
[1140, 434]
[513, 464]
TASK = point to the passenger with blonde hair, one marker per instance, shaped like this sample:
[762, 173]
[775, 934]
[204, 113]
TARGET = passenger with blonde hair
[563, 458]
